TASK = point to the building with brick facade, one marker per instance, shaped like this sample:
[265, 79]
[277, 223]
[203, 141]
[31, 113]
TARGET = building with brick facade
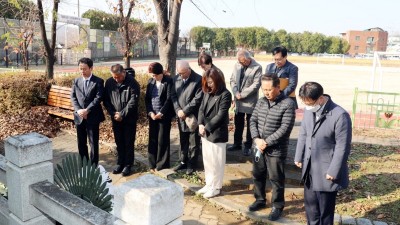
[366, 41]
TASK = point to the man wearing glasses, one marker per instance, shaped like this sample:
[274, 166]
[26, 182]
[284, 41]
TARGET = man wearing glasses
[186, 96]
[245, 83]
[286, 71]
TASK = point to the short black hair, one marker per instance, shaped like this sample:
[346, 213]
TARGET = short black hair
[271, 77]
[86, 61]
[280, 49]
[156, 68]
[311, 90]
[117, 69]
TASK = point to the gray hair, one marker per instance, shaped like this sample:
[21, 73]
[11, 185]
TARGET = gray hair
[243, 53]
[182, 64]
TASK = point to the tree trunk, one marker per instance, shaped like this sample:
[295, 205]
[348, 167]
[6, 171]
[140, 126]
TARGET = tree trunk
[168, 32]
[48, 47]
[127, 60]
[50, 66]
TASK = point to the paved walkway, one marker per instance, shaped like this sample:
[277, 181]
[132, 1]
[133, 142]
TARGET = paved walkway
[232, 204]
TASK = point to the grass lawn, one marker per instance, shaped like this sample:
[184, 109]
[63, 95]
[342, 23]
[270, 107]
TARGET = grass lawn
[374, 190]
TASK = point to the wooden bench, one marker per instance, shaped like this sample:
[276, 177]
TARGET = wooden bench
[60, 98]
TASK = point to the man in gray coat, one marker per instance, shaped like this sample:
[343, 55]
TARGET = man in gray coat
[245, 83]
[186, 96]
[322, 152]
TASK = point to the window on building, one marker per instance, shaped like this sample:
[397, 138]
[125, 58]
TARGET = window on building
[357, 38]
[356, 47]
[370, 39]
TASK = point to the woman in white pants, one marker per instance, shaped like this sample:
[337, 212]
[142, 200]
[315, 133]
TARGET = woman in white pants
[213, 128]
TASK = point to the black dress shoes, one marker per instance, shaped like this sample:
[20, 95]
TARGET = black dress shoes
[234, 147]
[118, 169]
[257, 205]
[180, 166]
[246, 151]
[126, 171]
[275, 214]
[189, 171]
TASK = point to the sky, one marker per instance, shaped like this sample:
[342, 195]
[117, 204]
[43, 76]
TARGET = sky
[327, 17]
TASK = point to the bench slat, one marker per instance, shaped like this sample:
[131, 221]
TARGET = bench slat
[60, 97]
[60, 114]
[60, 92]
[56, 87]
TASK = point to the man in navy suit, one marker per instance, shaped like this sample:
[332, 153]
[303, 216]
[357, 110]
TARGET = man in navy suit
[322, 151]
[86, 96]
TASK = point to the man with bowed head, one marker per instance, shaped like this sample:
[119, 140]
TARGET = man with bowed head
[322, 151]
[245, 83]
[271, 124]
[186, 96]
[121, 101]
[86, 96]
[285, 70]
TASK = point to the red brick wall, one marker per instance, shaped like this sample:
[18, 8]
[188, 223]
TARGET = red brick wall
[379, 43]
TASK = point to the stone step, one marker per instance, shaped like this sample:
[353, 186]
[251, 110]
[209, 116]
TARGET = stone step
[241, 174]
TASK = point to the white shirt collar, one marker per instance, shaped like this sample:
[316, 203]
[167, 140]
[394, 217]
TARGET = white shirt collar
[88, 78]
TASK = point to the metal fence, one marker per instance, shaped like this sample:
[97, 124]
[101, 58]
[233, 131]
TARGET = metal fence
[373, 109]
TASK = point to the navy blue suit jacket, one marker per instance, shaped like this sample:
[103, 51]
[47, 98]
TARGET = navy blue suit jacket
[324, 146]
[90, 101]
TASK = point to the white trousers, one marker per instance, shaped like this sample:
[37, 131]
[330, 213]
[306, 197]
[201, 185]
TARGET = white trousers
[214, 158]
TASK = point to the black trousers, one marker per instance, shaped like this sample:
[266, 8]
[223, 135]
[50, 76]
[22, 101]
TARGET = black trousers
[84, 132]
[239, 127]
[125, 136]
[275, 167]
[159, 143]
[320, 205]
[190, 147]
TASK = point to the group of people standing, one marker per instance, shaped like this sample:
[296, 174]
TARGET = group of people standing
[201, 105]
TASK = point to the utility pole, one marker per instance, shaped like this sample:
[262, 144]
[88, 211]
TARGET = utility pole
[79, 26]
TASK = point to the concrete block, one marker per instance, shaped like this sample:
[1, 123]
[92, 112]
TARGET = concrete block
[363, 221]
[148, 200]
[4, 211]
[41, 220]
[379, 223]
[28, 149]
[176, 222]
[19, 180]
[337, 220]
[3, 166]
[120, 222]
[348, 220]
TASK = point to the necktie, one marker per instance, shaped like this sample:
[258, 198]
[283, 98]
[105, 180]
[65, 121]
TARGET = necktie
[86, 86]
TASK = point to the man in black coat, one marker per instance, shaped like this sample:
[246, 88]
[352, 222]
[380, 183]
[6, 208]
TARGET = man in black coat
[121, 101]
[86, 96]
[270, 125]
[186, 95]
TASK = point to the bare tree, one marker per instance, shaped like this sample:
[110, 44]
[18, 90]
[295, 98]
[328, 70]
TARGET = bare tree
[168, 13]
[49, 47]
[131, 30]
[20, 36]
